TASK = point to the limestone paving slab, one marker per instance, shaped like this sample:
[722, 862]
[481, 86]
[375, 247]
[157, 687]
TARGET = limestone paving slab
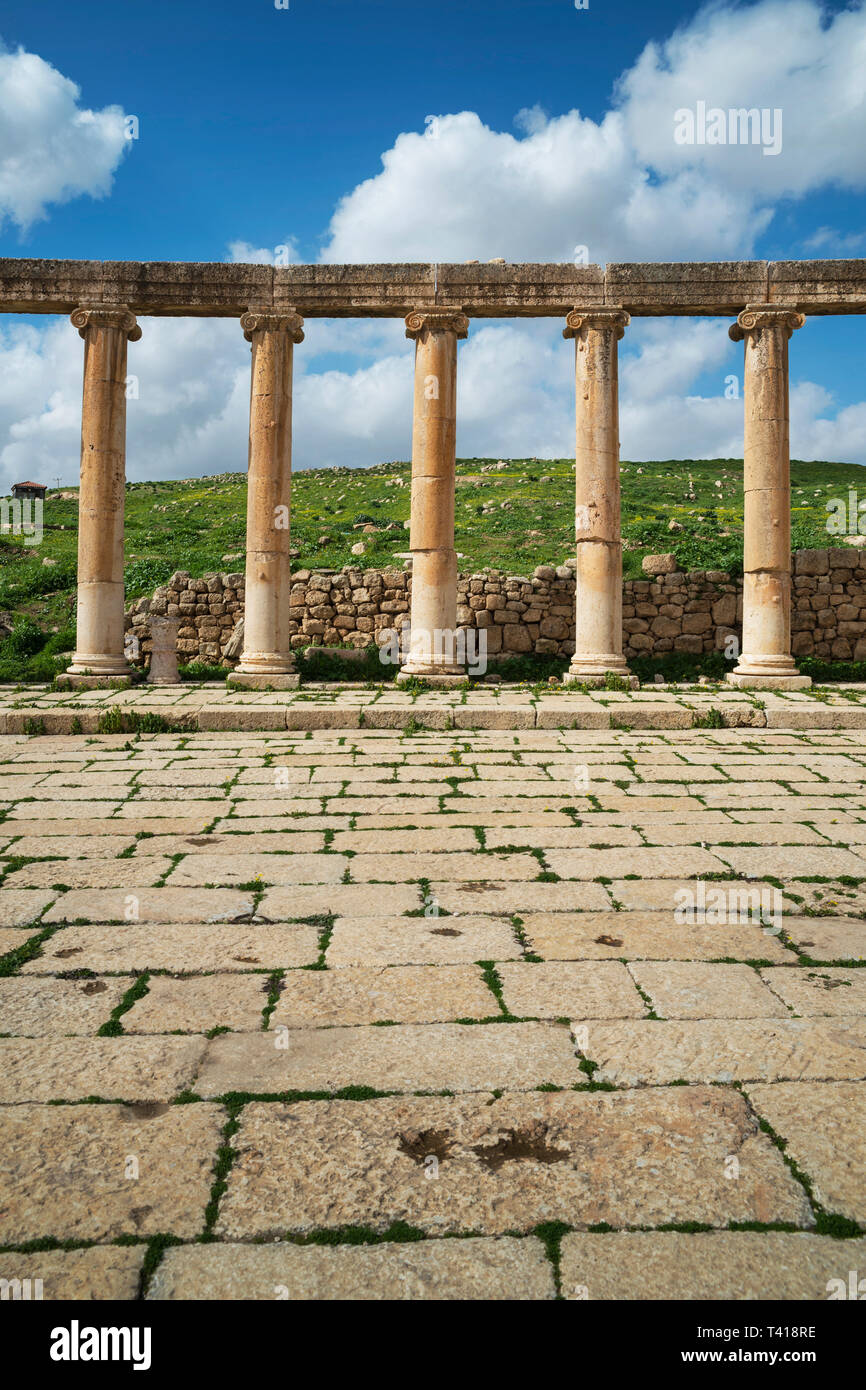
[176, 946]
[13, 937]
[562, 989]
[97, 1273]
[140, 871]
[77, 846]
[726, 1266]
[167, 809]
[718, 837]
[819, 990]
[378, 941]
[59, 1068]
[801, 862]
[487, 895]
[198, 1004]
[65, 1170]
[828, 938]
[575, 837]
[196, 870]
[648, 863]
[506, 1164]
[824, 1127]
[406, 1057]
[382, 841]
[666, 894]
[656, 1052]
[488, 1268]
[645, 935]
[49, 1007]
[689, 989]
[365, 994]
[98, 826]
[28, 811]
[343, 899]
[200, 905]
[275, 842]
[21, 906]
[406, 868]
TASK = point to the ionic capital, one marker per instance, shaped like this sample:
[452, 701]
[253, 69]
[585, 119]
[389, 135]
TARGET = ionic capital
[437, 321]
[269, 321]
[605, 320]
[757, 316]
[118, 316]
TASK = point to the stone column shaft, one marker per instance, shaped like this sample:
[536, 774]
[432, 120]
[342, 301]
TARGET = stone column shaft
[766, 660]
[434, 440]
[267, 658]
[106, 329]
[598, 604]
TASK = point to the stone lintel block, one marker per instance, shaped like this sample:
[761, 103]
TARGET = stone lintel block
[49, 286]
[188, 288]
[699, 287]
[344, 291]
[818, 287]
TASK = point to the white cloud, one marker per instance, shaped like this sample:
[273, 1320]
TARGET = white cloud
[622, 186]
[285, 253]
[51, 148]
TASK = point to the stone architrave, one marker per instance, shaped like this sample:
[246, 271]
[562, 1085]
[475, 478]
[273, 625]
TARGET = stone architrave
[106, 330]
[433, 635]
[766, 661]
[598, 572]
[266, 660]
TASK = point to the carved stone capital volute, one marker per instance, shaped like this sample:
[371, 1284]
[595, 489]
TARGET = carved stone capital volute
[605, 320]
[118, 316]
[757, 316]
[436, 321]
[271, 321]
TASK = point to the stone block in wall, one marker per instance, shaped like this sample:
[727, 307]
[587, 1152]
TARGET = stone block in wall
[665, 627]
[811, 562]
[516, 638]
[697, 623]
[553, 627]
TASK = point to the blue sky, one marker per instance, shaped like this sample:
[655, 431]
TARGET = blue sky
[254, 124]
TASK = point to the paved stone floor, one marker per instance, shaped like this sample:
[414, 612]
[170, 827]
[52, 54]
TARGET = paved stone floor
[371, 1013]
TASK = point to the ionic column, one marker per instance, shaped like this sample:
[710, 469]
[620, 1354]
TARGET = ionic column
[598, 574]
[267, 658]
[432, 650]
[106, 329]
[766, 661]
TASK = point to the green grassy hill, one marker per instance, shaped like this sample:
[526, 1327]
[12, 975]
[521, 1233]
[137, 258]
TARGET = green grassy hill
[511, 516]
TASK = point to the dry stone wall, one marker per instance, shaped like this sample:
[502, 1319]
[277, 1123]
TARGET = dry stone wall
[669, 612]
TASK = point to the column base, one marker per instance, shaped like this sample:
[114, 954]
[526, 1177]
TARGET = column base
[594, 670]
[774, 672]
[76, 682]
[90, 671]
[274, 680]
[743, 680]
